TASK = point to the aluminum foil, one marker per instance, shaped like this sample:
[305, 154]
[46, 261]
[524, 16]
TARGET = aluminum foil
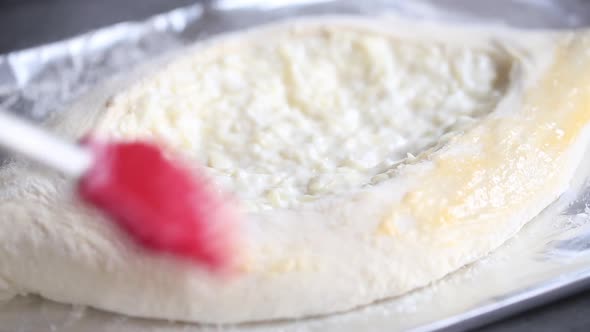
[549, 257]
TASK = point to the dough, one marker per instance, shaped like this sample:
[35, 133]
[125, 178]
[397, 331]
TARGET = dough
[490, 126]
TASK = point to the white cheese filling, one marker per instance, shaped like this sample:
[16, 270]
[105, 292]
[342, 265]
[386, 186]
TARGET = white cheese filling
[284, 121]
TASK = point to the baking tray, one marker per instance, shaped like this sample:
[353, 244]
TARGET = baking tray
[549, 258]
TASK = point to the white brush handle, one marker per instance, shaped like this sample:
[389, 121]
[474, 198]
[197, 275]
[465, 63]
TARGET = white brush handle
[21, 137]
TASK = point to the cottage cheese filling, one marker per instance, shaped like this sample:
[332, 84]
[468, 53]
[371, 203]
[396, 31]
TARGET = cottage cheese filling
[284, 121]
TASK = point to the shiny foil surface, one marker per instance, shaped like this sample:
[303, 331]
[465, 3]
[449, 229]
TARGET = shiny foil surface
[549, 257]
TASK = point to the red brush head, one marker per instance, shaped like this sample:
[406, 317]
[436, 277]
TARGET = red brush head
[161, 204]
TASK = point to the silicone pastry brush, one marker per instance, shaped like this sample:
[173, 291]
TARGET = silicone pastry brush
[158, 202]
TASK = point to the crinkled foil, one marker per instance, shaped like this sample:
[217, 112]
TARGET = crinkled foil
[549, 257]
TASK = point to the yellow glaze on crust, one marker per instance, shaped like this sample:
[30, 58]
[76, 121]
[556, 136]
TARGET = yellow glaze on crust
[472, 187]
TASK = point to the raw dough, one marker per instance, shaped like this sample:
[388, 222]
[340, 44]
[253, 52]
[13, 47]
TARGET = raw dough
[345, 247]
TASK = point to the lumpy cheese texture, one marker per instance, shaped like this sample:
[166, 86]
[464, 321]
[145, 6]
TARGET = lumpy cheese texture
[289, 120]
